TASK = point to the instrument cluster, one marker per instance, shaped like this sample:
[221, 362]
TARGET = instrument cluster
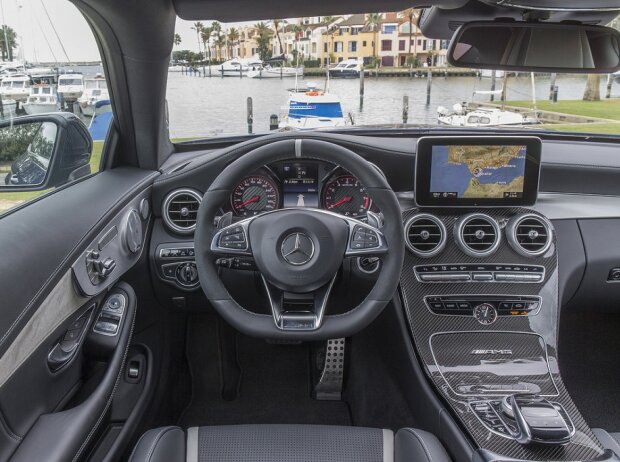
[300, 183]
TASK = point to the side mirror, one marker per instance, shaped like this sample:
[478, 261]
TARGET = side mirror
[43, 151]
[536, 47]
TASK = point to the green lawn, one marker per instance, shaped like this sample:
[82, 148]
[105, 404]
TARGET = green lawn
[604, 109]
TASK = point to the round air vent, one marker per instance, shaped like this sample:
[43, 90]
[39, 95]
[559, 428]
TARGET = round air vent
[180, 210]
[425, 235]
[529, 235]
[477, 234]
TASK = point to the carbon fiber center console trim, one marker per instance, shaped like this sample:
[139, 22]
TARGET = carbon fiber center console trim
[505, 343]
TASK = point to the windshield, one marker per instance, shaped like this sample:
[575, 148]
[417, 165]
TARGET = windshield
[70, 82]
[390, 74]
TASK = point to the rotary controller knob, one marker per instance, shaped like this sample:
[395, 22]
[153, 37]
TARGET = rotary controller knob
[187, 274]
[485, 313]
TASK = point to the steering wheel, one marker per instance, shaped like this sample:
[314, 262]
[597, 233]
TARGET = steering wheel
[298, 251]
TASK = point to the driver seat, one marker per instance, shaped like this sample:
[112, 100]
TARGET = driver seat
[287, 443]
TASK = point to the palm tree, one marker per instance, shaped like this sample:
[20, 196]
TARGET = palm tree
[276, 25]
[177, 40]
[327, 20]
[205, 36]
[220, 42]
[216, 26]
[263, 34]
[198, 28]
[593, 88]
[372, 21]
[233, 36]
[11, 38]
[411, 14]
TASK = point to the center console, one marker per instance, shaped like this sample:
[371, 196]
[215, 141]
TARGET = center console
[480, 290]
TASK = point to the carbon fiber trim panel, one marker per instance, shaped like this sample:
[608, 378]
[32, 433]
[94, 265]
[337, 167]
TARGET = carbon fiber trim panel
[499, 338]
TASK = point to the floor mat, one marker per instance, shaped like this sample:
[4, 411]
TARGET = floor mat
[590, 366]
[274, 385]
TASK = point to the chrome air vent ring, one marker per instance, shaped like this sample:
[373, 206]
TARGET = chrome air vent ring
[477, 234]
[180, 210]
[529, 235]
[425, 235]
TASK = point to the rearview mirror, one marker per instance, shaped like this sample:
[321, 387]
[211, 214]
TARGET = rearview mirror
[537, 47]
[43, 151]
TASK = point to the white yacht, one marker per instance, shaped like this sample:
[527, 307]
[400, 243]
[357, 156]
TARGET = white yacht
[95, 90]
[239, 66]
[276, 72]
[461, 116]
[70, 87]
[350, 68]
[7, 109]
[43, 98]
[15, 87]
[309, 108]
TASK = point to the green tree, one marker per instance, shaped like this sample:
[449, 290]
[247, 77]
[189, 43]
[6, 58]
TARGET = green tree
[276, 25]
[11, 38]
[177, 40]
[205, 36]
[263, 37]
[233, 37]
[297, 30]
[412, 14]
[372, 21]
[198, 28]
[220, 42]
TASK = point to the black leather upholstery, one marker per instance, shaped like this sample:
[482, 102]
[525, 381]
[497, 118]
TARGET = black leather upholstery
[166, 444]
[608, 440]
[288, 443]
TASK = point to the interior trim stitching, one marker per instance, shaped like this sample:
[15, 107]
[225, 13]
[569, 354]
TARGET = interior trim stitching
[10, 433]
[156, 441]
[109, 402]
[99, 224]
[137, 445]
[421, 441]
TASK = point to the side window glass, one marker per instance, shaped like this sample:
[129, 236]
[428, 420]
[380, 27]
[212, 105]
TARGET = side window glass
[55, 108]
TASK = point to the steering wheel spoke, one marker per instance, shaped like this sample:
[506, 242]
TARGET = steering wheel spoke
[364, 239]
[233, 240]
[298, 311]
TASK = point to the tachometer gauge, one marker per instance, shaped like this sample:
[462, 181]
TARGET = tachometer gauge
[346, 195]
[255, 194]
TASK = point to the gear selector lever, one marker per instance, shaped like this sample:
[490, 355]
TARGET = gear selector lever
[537, 420]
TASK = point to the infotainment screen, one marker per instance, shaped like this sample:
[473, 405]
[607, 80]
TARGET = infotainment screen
[300, 185]
[477, 171]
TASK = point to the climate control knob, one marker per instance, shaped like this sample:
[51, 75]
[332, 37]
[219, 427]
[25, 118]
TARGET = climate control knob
[485, 313]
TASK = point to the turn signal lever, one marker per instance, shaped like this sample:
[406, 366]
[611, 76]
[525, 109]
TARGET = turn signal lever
[537, 420]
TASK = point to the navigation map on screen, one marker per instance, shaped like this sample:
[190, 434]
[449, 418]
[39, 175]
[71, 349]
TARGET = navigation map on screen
[477, 171]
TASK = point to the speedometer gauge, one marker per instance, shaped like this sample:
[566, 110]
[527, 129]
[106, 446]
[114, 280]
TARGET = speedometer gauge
[255, 194]
[346, 195]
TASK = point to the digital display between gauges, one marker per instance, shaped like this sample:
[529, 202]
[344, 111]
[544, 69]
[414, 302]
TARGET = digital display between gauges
[300, 185]
[253, 195]
[346, 195]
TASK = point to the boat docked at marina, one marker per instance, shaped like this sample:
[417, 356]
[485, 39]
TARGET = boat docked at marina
[70, 87]
[462, 116]
[15, 87]
[42, 99]
[239, 66]
[7, 108]
[310, 108]
[276, 72]
[94, 90]
[349, 68]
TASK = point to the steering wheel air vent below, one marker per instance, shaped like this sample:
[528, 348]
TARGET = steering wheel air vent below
[529, 235]
[180, 210]
[425, 235]
[477, 234]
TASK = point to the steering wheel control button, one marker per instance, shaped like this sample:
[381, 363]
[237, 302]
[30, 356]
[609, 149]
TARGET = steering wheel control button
[297, 248]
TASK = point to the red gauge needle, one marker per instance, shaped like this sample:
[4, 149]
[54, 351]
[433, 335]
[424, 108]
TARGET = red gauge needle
[249, 201]
[341, 201]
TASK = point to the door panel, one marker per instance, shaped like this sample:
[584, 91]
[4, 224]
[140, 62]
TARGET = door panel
[46, 412]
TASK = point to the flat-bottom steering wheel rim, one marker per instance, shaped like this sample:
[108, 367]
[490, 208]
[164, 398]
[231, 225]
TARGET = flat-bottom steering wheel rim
[333, 326]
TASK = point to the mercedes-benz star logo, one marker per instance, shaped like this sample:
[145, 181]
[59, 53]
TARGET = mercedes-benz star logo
[297, 248]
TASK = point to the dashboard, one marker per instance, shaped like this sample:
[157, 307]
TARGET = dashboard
[299, 183]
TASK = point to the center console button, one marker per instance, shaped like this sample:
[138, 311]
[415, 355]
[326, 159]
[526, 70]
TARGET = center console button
[483, 276]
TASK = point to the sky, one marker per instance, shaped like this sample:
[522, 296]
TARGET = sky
[39, 42]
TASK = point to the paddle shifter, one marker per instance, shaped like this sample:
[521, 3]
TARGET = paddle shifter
[537, 420]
